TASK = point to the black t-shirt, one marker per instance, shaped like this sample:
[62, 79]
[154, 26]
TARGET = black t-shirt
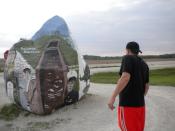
[133, 94]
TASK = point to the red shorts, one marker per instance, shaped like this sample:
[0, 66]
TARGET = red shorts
[131, 118]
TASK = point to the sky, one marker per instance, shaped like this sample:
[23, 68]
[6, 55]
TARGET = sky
[98, 27]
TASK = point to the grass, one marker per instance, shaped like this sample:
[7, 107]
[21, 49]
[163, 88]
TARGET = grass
[105, 77]
[9, 112]
[157, 77]
[163, 77]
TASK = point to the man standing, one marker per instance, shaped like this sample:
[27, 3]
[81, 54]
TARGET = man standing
[132, 86]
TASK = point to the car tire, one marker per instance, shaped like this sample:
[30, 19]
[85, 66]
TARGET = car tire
[73, 95]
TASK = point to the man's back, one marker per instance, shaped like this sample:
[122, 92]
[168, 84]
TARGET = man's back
[133, 94]
[132, 86]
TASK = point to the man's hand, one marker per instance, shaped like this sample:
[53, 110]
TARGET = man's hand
[122, 82]
[111, 103]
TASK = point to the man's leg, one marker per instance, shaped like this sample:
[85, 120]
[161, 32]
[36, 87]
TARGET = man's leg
[121, 121]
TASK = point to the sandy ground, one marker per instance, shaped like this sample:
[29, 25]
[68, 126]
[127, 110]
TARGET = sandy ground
[91, 113]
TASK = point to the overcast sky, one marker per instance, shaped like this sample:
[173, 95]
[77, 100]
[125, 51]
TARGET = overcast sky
[99, 27]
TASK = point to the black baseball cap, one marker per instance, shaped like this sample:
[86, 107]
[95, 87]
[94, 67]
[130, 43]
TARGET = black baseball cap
[134, 47]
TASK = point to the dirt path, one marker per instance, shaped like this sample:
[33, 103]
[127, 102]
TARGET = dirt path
[92, 114]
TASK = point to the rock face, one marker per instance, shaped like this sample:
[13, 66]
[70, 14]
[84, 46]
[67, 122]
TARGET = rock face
[54, 26]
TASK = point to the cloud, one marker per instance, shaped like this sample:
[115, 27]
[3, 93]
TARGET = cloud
[99, 27]
[150, 22]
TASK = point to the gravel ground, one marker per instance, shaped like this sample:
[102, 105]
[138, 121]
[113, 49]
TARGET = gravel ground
[91, 113]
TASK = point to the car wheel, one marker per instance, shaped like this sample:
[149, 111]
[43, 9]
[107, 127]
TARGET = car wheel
[73, 95]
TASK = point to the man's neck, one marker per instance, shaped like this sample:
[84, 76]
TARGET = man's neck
[132, 54]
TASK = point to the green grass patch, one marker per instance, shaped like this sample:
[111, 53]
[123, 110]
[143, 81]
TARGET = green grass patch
[9, 112]
[157, 77]
[163, 77]
[105, 77]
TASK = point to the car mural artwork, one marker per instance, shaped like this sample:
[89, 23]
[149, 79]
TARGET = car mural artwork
[46, 72]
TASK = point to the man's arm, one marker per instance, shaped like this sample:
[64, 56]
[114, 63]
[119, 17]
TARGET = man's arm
[146, 88]
[122, 82]
[147, 80]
